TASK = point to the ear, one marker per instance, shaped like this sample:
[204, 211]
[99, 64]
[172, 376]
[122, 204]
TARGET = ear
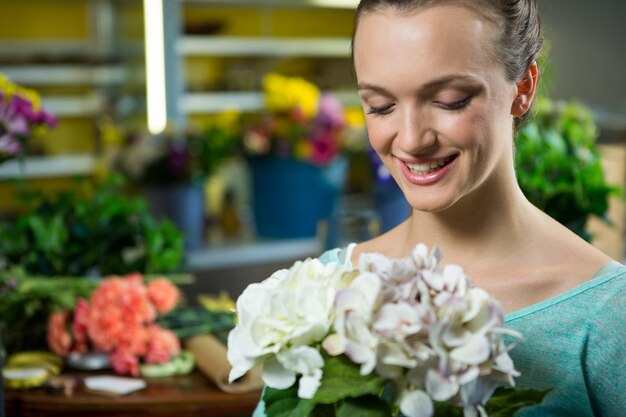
[526, 89]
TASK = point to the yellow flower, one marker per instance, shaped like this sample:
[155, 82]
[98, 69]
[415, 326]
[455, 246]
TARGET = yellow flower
[111, 134]
[283, 94]
[10, 89]
[355, 117]
[223, 302]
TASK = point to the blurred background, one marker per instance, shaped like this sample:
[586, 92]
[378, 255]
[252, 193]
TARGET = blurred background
[225, 138]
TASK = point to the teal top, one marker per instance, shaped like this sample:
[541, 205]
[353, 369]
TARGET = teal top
[574, 343]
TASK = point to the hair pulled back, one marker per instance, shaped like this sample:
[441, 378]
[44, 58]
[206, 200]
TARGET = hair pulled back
[519, 43]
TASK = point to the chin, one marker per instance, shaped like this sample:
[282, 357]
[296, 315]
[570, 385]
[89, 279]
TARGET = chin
[429, 204]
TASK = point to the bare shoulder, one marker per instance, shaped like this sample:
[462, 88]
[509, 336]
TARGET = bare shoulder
[575, 259]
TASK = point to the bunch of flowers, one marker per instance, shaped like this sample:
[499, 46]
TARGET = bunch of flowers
[403, 334]
[21, 118]
[171, 158]
[119, 319]
[299, 122]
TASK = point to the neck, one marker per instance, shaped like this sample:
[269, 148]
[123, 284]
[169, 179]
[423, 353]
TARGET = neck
[490, 222]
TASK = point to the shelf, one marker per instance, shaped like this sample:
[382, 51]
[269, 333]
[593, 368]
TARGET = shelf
[48, 167]
[253, 253]
[59, 48]
[199, 103]
[263, 47]
[194, 103]
[65, 75]
[74, 106]
[330, 4]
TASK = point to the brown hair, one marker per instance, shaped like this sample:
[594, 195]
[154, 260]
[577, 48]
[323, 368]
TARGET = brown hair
[519, 41]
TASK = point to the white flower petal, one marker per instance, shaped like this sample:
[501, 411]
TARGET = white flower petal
[469, 375]
[476, 351]
[301, 359]
[334, 344]
[276, 376]
[309, 384]
[504, 363]
[439, 387]
[454, 335]
[478, 391]
[416, 403]
[239, 347]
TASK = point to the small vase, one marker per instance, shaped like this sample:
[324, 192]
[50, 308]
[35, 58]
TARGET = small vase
[183, 204]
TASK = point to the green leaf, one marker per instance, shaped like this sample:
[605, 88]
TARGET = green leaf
[447, 410]
[286, 403]
[505, 402]
[366, 406]
[342, 379]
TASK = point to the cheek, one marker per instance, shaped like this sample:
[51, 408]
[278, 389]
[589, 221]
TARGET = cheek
[461, 129]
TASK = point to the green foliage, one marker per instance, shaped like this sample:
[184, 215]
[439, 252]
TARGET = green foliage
[344, 392]
[505, 402]
[188, 321]
[559, 166]
[107, 233]
[286, 403]
[26, 302]
[342, 379]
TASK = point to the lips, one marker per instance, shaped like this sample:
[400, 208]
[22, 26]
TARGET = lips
[427, 172]
[431, 166]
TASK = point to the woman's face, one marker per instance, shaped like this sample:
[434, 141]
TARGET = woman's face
[437, 104]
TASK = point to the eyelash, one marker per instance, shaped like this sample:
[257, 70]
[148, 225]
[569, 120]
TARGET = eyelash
[457, 105]
[379, 110]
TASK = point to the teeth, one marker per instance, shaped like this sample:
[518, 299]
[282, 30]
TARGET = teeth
[428, 166]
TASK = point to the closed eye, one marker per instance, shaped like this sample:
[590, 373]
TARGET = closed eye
[456, 105]
[380, 110]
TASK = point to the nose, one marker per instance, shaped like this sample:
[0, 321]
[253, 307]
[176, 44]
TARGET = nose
[415, 135]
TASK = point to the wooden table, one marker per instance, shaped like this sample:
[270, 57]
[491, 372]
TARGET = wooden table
[182, 396]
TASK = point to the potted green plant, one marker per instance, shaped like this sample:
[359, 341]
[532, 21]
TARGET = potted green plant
[559, 165]
[171, 170]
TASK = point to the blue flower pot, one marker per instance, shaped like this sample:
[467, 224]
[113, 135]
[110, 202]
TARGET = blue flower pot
[290, 197]
[390, 205]
[183, 204]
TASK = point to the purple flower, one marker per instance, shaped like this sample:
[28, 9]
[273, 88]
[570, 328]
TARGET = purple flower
[47, 118]
[178, 158]
[330, 113]
[9, 147]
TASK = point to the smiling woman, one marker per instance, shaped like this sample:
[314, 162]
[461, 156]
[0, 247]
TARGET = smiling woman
[444, 84]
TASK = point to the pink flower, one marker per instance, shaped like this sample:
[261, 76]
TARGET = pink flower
[134, 340]
[59, 339]
[81, 315]
[124, 362]
[163, 294]
[118, 304]
[162, 345]
[325, 148]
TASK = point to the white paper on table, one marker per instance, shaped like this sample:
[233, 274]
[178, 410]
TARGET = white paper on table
[114, 384]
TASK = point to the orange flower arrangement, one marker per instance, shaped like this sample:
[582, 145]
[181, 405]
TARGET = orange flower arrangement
[119, 319]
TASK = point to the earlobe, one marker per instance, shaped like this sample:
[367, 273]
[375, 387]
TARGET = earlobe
[526, 89]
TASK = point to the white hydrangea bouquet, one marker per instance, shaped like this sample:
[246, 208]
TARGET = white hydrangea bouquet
[393, 335]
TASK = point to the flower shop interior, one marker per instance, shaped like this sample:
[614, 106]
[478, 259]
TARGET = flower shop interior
[158, 156]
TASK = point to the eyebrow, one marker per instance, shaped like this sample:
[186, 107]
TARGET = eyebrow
[428, 86]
